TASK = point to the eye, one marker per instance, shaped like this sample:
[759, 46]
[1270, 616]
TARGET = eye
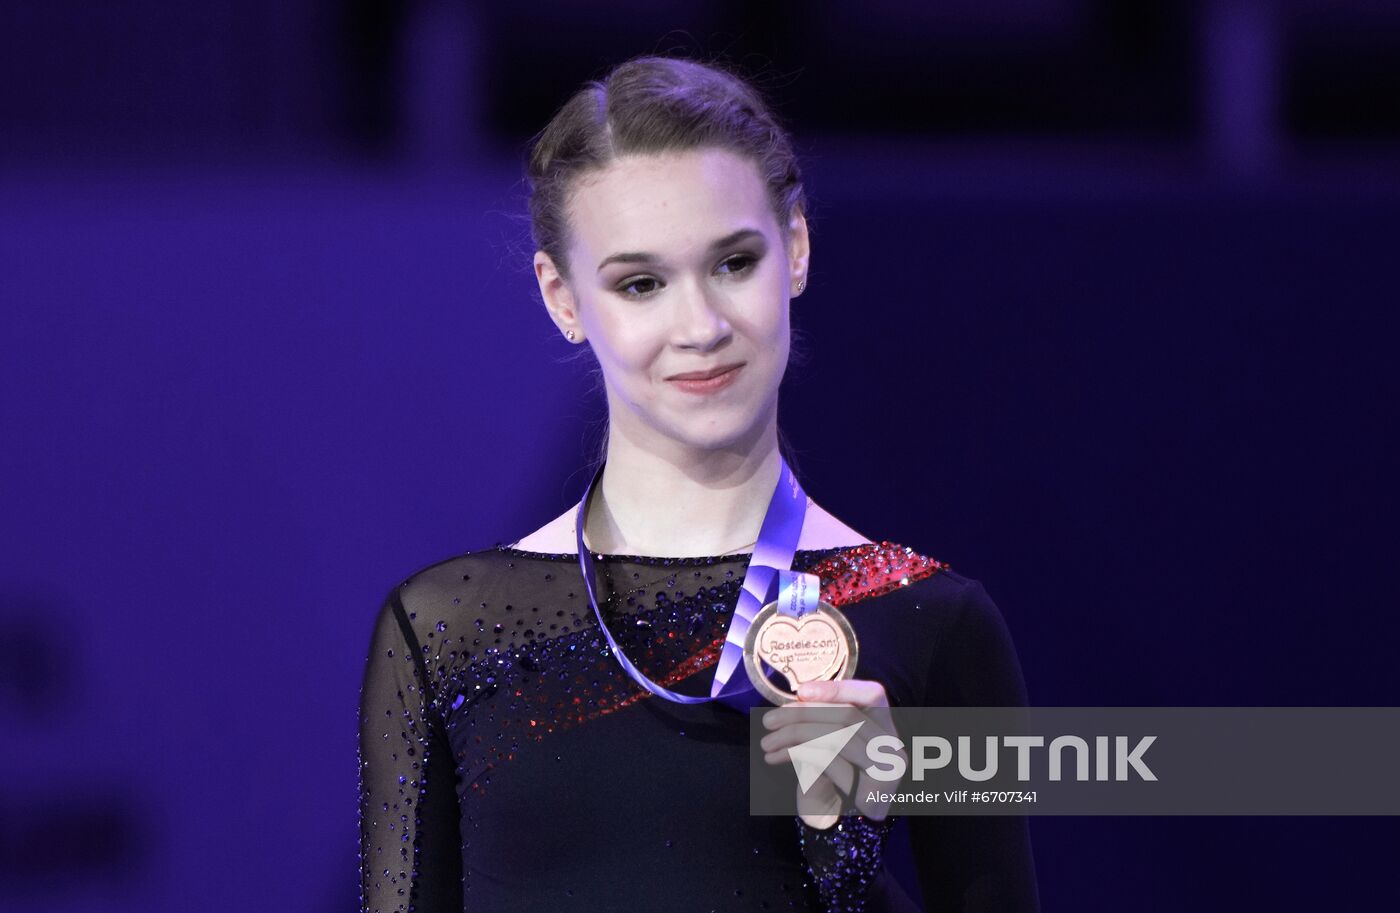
[739, 263]
[627, 284]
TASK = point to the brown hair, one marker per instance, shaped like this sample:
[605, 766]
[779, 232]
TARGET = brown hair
[654, 105]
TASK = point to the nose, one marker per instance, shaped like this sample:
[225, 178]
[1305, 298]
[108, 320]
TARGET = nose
[698, 322]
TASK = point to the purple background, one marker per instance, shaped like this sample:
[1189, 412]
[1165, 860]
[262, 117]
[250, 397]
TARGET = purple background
[1101, 312]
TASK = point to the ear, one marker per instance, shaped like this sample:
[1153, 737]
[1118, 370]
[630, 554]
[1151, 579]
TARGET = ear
[558, 297]
[799, 249]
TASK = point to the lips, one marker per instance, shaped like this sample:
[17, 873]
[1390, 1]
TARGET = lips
[706, 382]
[703, 375]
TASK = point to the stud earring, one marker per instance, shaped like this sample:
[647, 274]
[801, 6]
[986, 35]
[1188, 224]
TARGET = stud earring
[570, 335]
[801, 285]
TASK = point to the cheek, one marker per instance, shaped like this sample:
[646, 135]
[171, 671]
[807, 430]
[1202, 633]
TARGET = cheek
[780, 344]
[776, 331]
[779, 348]
[625, 346]
[779, 311]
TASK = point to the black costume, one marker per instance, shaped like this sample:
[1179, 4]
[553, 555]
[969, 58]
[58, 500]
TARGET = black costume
[508, 763]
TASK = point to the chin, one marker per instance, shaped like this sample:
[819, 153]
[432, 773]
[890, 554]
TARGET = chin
[715, 437]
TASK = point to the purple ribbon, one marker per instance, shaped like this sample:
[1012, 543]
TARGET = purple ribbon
[769, 569]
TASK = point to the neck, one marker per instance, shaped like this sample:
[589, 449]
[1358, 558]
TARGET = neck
[680, 502]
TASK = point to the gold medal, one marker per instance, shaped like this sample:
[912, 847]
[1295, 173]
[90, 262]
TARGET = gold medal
[817, 646]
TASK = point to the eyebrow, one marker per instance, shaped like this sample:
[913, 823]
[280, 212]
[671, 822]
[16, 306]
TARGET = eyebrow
[742, 234]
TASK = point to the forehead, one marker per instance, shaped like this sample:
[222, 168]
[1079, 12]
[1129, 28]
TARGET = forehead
[646, 202]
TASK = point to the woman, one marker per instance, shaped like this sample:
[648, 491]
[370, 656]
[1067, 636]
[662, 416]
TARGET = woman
[521, 744]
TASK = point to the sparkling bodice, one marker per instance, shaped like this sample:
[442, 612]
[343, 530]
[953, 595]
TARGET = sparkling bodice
[509, 763]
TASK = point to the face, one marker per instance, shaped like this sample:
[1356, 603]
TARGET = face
[678, 271]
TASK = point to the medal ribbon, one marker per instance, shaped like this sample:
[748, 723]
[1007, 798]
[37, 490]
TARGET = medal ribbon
[798, 594]
[769, 569]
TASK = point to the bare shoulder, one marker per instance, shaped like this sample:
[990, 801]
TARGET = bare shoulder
[823, 530]
[555, 537]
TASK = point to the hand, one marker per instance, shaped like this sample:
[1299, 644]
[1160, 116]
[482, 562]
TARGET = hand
[792, 724]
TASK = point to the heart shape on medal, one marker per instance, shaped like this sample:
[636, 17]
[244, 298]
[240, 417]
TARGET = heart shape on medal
[805, 649]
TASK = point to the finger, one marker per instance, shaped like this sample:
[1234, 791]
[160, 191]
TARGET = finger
[832, 716]
[843, 774]
[798, 733]
[865, 693]
[776, 717]
[837, 715]
[820, 807]
[777, 744]
[830, 795]
[862, 692]
[825, 799]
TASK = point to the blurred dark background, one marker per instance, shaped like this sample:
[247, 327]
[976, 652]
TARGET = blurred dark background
[1100, 313]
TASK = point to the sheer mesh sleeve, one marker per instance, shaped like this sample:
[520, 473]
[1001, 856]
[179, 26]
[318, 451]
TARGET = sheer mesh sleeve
[971, 862]
[844, 859]
[410, 843]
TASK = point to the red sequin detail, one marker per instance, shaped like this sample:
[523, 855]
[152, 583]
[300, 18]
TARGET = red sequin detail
[848, 577]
